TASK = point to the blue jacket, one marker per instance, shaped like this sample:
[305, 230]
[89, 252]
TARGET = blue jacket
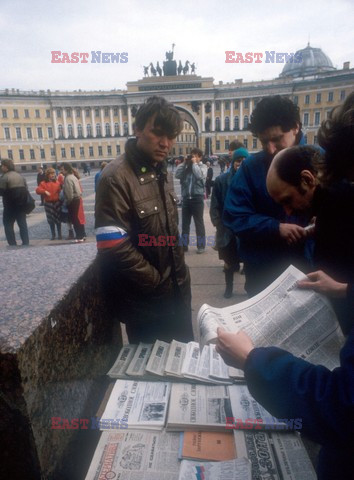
[289, 387]
[253, 215]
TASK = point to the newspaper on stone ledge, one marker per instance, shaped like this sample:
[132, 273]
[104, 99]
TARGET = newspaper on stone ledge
[297, 320]
[135, 455]
[275, 455]
[176, 361]
[136, 404]
[216, 408]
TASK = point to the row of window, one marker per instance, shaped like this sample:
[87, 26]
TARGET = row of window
[69, 112]
[108, 131]
[78, 112]
[318, 97]
[186, 137]
[317, 119]
[63, 152]
[227, 103]
[18, 130]
[236, 124]
[7, 132]
[26, 113]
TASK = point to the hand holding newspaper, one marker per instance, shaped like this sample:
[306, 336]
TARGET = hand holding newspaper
[299, 321]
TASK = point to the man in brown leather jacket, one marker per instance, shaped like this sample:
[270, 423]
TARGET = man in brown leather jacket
[142, 261]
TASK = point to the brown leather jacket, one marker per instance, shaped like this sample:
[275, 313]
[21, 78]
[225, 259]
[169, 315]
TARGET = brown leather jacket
[150, 280]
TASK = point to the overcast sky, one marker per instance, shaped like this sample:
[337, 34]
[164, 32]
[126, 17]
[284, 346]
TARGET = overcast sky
[202, 30]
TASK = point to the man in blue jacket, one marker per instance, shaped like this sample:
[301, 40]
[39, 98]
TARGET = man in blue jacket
[270, 240]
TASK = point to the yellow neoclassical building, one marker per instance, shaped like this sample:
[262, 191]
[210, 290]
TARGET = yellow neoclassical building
[46, 127]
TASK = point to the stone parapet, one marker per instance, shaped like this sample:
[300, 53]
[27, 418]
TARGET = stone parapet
[58, 340]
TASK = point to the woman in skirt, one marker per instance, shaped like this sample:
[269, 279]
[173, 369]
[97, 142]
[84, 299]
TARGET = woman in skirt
[50, 189]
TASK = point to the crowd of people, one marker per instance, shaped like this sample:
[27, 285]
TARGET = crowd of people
[60, 194]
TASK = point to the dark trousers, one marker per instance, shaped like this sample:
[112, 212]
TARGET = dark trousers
[9, 218]
[73, 209]
[193, 207]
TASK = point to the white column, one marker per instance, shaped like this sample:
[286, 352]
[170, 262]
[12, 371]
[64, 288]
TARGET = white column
[231, 115]
[83, 118]
[203, 117]
[112, 120]
[93, 122]
[55, 123]
[213, 116]
[120, 122]
[250, 110]
[241, 114]
[65, 124]
[74, 122]
[222, 116]
[103, 127]
[130, 129]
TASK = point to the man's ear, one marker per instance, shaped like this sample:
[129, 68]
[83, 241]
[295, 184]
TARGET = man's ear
[308, 179]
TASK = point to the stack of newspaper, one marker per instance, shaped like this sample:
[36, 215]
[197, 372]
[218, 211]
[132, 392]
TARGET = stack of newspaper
[216, 408]
[134, 404]
[176, 361]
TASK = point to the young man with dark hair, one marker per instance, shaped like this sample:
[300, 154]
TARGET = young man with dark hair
[193, 173]
[142, 264]
[269, 240]
[13, 189]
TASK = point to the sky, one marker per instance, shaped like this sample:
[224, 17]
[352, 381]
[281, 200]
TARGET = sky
[145, 29]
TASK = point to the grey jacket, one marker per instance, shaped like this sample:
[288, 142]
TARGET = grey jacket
[13, 189]
[192, 179]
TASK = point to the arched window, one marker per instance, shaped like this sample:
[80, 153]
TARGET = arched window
[108, 130]
[60, 131]
[245, 122]
[79, 130]
[236, 123]
[217, 124]
[98, 129]
[116, 129]
[126, 129]
[89, 130]
[227, 123]
[70, 131]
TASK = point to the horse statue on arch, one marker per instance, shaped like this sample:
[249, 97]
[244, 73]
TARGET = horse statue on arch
[152, 69]
[186, 68]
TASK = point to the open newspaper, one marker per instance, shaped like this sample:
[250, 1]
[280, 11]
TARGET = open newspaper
[135, 455]
[300, 321]
[134, 404]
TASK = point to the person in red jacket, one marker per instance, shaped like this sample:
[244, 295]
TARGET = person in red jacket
[50, 189]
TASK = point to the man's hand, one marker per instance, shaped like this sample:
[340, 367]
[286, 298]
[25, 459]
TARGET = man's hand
[291, 233]
[323, 283]
[234, 347]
